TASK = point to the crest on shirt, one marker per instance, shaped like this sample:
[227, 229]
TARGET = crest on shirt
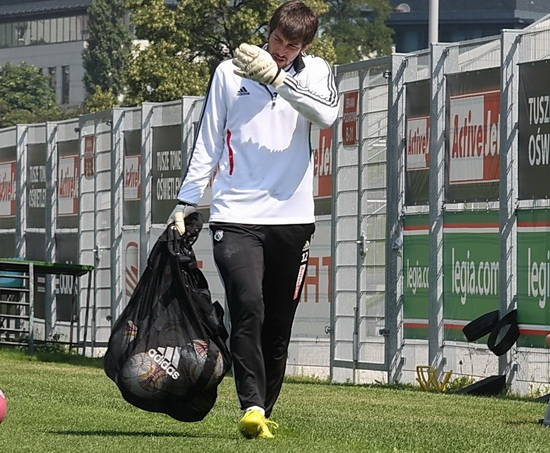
[218, 235]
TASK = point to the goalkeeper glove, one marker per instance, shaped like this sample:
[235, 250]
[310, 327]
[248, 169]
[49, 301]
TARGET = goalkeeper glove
[178, 215]
[257, 64]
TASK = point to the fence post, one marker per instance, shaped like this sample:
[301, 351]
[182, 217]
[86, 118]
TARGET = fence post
[399, 67]
[146, 181]
[436, 190]
[21, 191]
[508, 178]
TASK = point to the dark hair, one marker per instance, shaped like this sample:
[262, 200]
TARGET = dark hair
[296, 21]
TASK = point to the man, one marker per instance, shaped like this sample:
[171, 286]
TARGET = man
[254, 134]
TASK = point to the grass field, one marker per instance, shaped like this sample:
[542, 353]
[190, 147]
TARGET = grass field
[67, 404]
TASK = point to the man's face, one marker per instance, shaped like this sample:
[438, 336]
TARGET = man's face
[283, 51]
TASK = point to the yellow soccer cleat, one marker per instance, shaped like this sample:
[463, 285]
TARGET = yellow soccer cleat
[254, 425]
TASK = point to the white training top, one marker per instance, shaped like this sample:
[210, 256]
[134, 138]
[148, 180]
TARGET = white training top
[257, 141]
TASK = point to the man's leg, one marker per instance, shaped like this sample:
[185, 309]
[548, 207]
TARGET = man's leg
[286, 257]
[238, 253]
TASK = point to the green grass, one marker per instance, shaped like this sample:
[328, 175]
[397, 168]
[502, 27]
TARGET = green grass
[62, 404]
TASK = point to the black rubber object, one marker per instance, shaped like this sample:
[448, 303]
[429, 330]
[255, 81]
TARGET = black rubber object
[507, 340]
[481, 326]
[543, 398]
[493, 385]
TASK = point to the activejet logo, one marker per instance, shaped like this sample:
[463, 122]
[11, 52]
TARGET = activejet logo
[242, 92]
[418, 141]
[168, 359]
[474, 138]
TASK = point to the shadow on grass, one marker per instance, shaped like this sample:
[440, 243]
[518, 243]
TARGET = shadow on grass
[71, 359]
[51, 357]
[111, 433]
[523, 422]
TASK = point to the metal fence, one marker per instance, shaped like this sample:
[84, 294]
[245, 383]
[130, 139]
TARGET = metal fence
[465, 205]
[98, 190]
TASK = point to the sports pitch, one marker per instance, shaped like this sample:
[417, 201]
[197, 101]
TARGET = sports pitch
[67, 404]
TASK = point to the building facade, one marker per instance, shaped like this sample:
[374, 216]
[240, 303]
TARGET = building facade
[460, 21]
[50, 35]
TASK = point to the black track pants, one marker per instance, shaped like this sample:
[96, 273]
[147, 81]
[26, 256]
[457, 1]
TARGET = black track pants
[263, 269]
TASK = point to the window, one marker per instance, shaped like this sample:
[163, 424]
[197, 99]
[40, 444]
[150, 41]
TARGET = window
[4, 33]
[41, 31]
[65, 76]
[52, 73]
[20, 32]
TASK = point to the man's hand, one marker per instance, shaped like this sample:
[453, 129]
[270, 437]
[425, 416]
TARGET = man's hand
[257, 64]
[178, 215]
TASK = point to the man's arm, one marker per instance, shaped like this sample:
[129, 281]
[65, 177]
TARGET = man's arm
[313, 92]
[208, 145]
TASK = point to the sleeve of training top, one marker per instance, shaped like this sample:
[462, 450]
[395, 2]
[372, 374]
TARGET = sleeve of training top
[208, 145]
[313, 94]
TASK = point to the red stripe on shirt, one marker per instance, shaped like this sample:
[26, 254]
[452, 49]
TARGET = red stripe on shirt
[230, 151]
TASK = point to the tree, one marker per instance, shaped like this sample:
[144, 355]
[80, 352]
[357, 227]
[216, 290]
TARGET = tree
[25, 96]
[108, 51]
[358, 28]
[187, 42]
[100, 100]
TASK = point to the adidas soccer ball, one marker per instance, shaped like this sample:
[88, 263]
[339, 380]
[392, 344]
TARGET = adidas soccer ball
[3, 406]
[144, 377]
[124, 337]
[130, 333]
[196, 354]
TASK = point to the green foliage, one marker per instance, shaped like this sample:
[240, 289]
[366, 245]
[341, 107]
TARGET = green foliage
[100, 100]
[25, 96]
[459, 383]
[186, 43]
[323, 47]
[356, 37]
[538, 391]
[160, 74]
[108, 50]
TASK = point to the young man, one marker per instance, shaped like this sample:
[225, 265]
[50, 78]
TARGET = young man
[254, 134]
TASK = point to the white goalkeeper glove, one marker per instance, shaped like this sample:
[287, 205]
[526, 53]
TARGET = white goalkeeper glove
[257, 64]
[178, 215]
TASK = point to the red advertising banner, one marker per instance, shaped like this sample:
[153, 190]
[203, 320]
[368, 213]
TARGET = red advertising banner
[474, 138]
[349, 120]
[67, 191]
[321, 143]
[132, 178]
[89, 149]
[418, 143]
[7, 188]
[472, 151]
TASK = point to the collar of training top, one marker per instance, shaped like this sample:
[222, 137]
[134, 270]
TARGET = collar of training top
[298, 63]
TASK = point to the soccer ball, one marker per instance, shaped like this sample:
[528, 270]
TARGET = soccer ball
[145, 378]
[130, 333]
[195, 354]
[3, 406]
[125, 336]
